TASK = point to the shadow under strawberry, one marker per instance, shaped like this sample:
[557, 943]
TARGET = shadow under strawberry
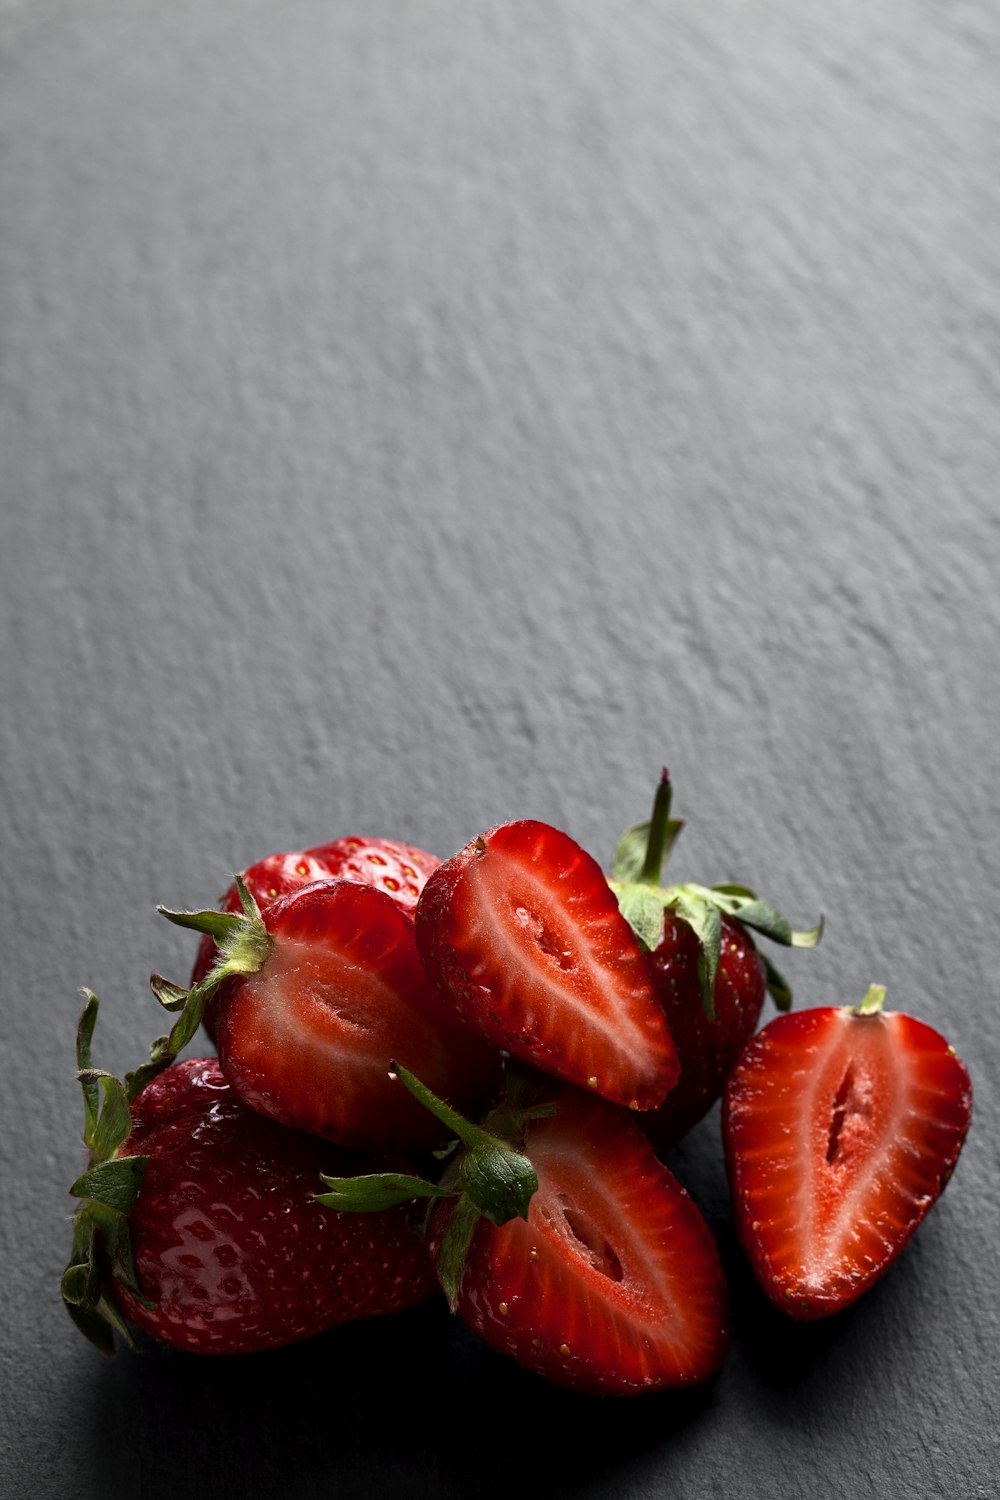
[391, 1407]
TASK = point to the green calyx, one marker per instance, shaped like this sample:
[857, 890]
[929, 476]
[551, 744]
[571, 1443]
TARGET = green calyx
[107, 1191]
[636, 875]
[243, 944]
[489, 1175]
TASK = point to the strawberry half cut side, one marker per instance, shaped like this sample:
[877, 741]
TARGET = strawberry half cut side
[523, 935]
[398, 869]
[612, 1283]
[317, 996]
[842, 1127]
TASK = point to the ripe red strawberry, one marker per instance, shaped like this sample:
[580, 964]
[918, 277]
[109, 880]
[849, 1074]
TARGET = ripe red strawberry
[200, 1226]
[707, 973]
[315, 997]
[707, 1046]
[842, 1126]
[521, 932]
[398, 869]
[611, 1284]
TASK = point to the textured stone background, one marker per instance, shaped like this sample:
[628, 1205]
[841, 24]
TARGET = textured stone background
[417, 415]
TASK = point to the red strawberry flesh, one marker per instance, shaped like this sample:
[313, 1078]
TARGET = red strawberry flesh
[523, 934]
[310, 1037]
[613, 1283]
[841, 1131]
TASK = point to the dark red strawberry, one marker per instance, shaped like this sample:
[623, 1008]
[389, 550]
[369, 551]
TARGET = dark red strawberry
[707, 1046]
[315, 997]
[707, 973]
[842, 1127]
[398, 869]
[200, 1227]
[522, 934]
[612, 1283]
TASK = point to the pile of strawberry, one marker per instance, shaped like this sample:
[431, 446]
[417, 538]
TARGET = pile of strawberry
[464, 1075]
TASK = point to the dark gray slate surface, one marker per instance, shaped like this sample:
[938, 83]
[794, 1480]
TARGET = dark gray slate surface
[414, 416]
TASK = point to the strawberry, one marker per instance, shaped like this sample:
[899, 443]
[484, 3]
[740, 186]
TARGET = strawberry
[315, 996]
[521, 933]
[398, 869]
[842, 1127]
[564, 1242]
[707, 973]
[199, 1224]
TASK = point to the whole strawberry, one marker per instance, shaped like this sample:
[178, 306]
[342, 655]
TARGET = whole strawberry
[199, 1225]
[708, 975]
[842, 1126]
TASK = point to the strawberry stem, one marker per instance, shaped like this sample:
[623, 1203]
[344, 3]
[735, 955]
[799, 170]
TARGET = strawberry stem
[872, 1004]
[498, 1179]
[662, 832]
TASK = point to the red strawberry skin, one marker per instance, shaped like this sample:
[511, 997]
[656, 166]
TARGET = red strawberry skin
[613, 1284]
[521, 931]
[707, 1049]
[230, 1247]
[310, 1038]
[841, 1130]
[398, 869]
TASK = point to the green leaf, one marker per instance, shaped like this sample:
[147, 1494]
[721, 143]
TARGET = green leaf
[810, 937]
[455, 1248]
[115, 1120]
[500, 1181]
[113, 1182]
[90, 1086]
[630, 855]
[250, 908]
[378, 1191]
[115, 1232]
[777, 986]
[764, 919]
[79, 1284]
[93, 1326]
[220, 925]
[171, 996]
[706, 920]
[736, 890]
[642, 906]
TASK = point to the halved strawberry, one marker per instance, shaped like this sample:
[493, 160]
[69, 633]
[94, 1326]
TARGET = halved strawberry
[521, 932]
[612, 1283]
[398, 869]
[842, 1126]
[316, 996]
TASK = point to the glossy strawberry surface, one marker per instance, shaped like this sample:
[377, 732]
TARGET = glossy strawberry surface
[398, 869]
[232, 1252]
[613, 1284]
[521, 932]
[841, 1130]
[310, 1037]
[707, 1047]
